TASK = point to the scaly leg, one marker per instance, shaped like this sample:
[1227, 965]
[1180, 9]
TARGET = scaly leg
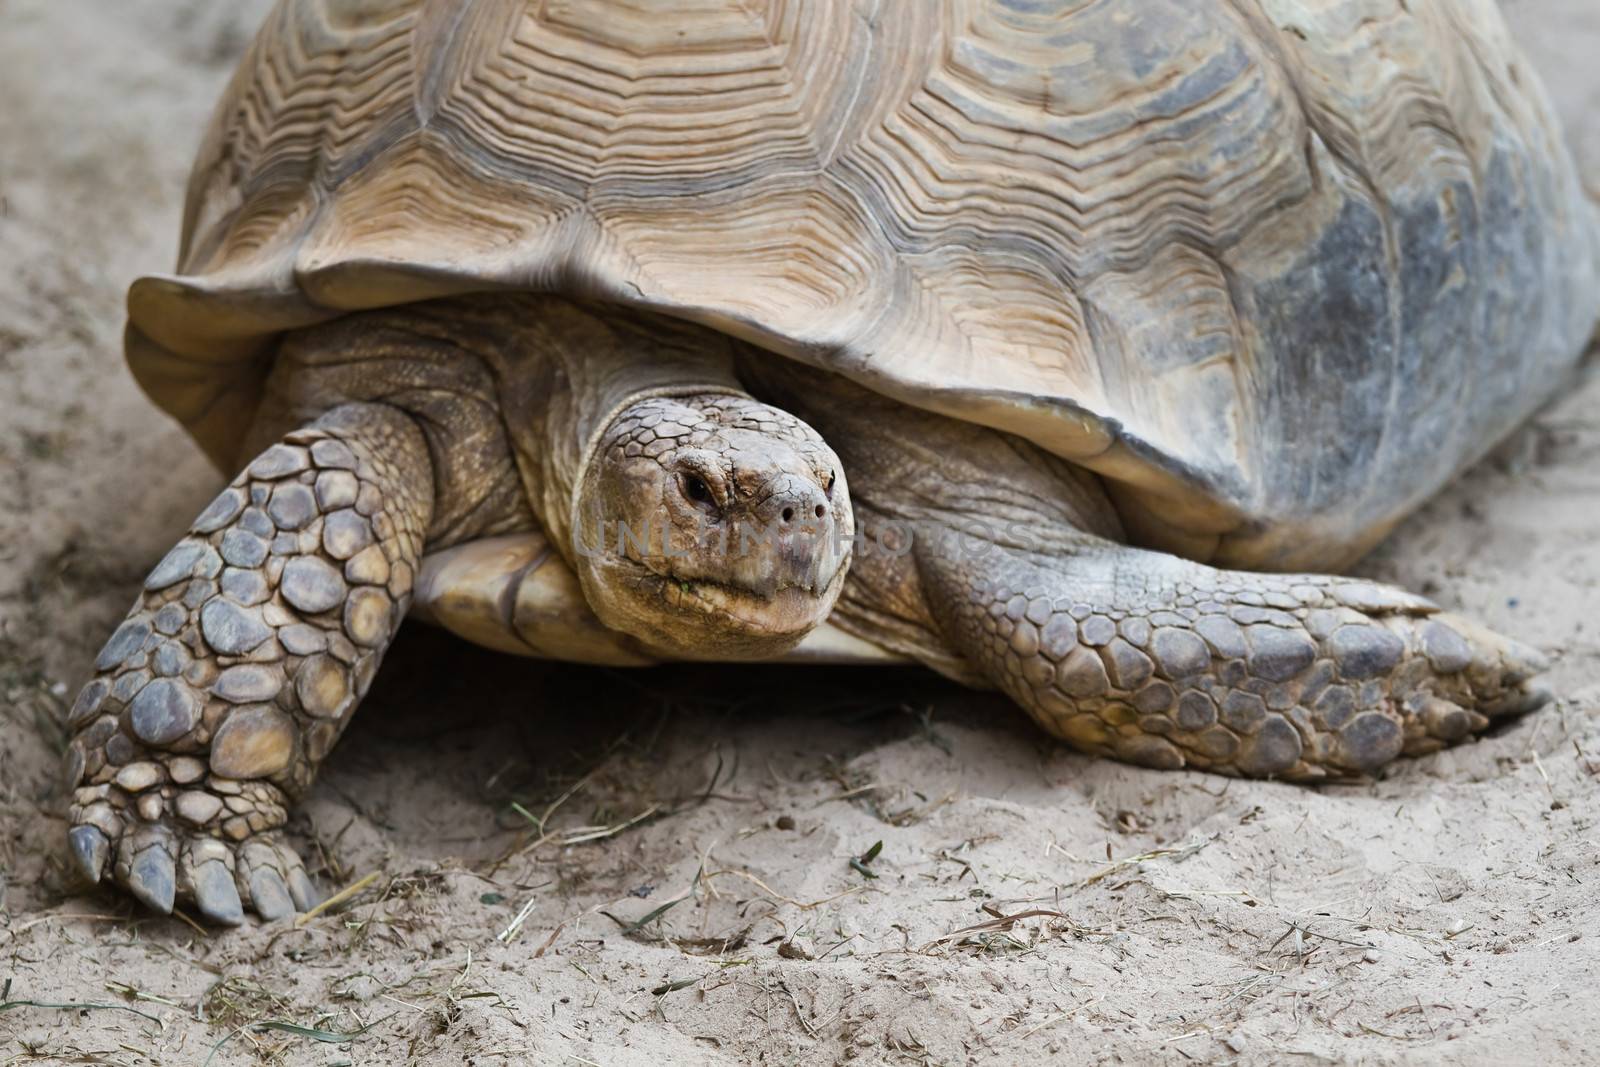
[1168, 663]
[240, 664]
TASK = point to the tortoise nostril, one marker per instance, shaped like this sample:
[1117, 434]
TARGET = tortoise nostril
[788, 514]
[822, 510]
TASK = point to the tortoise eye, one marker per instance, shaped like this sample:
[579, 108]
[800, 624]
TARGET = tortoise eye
[827, 487]
[695, 488]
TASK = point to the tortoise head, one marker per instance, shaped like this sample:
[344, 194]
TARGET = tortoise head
[712, 526]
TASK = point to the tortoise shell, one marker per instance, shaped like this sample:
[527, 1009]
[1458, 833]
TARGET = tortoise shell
[1275, 269]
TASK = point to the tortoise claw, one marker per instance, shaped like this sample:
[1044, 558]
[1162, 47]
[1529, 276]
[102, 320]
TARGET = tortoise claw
[1523, 662]
[269, 895]
[305, 894]
[91, 850]
[151, 872]
[1518, 701]
[208, 871]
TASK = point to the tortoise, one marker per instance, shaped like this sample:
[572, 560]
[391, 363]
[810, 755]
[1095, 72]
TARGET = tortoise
[1068, 349]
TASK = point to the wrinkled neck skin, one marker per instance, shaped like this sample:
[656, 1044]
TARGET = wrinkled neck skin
[595, 361]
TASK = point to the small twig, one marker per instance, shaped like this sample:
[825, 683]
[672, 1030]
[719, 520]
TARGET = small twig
[338, 898]
[998, 924]
[19, 929]
[1178, 854]
[600, 833]
[775, 895]
[1060, 1017]
[1539, 766]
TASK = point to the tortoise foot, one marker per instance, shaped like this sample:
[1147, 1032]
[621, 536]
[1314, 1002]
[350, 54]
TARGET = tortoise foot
[214, 843]
[1171, 664]
[240, 664]
[160, 867]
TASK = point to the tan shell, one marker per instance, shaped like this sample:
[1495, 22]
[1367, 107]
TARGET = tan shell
[1275, 268]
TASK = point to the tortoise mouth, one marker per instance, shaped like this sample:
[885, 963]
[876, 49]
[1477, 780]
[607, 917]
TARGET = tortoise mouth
[785, 615]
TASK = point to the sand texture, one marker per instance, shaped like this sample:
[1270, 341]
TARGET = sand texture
[680, 890]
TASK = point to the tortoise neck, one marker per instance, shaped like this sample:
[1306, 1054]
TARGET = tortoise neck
[582, 365]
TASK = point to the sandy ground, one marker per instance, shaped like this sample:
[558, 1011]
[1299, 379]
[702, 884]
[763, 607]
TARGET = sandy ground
[691, 898]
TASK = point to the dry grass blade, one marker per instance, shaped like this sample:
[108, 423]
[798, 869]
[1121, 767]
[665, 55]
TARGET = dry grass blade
[1178, 854]
[859, 863]
[599, 833]
[338, 898]
[672, 987]
[6, 1004]
[650, 917]
[999, 924]
[516, 923]
[310, 1033]
[775, 895]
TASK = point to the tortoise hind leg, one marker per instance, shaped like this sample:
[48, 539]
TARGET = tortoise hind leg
[1169, 663]
[240, 664]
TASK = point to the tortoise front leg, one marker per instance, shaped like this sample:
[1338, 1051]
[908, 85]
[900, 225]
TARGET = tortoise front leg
[1168, 663]
[240, 664]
